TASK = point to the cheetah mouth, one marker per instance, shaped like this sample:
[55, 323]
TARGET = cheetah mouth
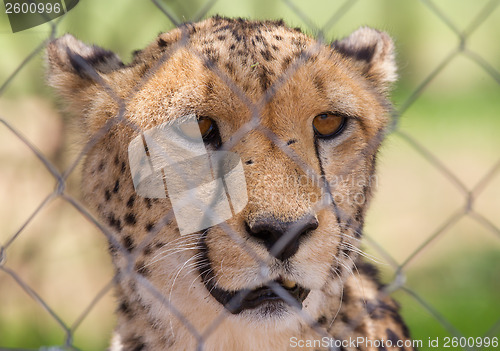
[246, 299]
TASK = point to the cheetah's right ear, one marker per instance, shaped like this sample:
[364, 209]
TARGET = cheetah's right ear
[372, 52]
[73, 65]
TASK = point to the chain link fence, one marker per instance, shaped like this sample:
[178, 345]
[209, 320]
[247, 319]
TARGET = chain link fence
[13, 277]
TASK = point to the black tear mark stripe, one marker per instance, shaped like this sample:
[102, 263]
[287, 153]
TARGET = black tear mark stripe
[326, 184]
[339, 246]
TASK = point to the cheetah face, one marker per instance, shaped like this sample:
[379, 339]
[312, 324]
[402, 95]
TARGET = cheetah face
[305, 120]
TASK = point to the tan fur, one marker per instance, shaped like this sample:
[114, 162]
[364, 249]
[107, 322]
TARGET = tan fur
[234, 71]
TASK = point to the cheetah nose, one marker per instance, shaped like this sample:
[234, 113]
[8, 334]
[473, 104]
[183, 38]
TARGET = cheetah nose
[282, 239]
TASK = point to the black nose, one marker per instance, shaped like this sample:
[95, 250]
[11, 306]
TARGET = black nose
[281, 238]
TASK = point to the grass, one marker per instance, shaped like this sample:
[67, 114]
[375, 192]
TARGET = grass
[463, 289]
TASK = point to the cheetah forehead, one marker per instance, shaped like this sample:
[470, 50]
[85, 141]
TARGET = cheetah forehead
[265, 50]
[251, 55]
[242, 42]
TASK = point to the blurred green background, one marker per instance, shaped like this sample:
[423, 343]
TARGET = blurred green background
[451, 286]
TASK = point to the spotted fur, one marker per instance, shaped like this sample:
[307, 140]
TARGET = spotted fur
[234, 70]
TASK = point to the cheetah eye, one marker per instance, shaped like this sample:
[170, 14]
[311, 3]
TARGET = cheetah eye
[205, 126]
[327, 125]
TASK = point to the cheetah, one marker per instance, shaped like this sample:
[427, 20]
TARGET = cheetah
[305, 120]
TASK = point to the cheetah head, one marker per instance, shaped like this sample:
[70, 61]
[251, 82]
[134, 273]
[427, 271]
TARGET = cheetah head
[305, 120]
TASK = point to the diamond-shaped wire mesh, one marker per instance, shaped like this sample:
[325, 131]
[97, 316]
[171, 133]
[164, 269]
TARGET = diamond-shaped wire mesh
[452, 232]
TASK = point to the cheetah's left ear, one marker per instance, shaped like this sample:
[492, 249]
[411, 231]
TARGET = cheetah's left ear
[73, 65]
[372, 52]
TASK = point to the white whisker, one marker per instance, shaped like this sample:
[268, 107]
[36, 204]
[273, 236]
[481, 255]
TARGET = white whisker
[340, 302]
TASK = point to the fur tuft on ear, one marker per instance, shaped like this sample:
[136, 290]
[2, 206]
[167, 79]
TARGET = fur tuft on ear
[73, 64]
[372, 52]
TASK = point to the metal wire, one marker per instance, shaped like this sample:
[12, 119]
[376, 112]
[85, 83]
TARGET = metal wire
[470, 194]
